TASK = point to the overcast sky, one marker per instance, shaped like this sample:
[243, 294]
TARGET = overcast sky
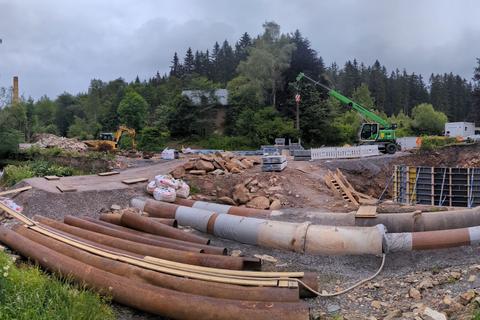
[56, 46]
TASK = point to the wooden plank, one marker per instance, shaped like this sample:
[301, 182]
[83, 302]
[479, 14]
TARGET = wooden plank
[52, 178]
[347, 183]
[366, 212]
[135, 180]
[3, 193]
[347, 192]
[109, 173]
[329, 181]
[64, 188]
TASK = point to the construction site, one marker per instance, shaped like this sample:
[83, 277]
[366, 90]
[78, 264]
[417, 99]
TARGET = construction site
[254, 180]
[317, 239]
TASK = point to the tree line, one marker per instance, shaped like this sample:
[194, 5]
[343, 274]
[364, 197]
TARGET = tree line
[260, 74]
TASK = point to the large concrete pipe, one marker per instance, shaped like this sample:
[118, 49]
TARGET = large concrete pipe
[206, 248]
[144, 224]
[200, 287]
[207, 260]
[432, 239]
[149, 298]
[300, 237]
[79, 223]
[405, 222]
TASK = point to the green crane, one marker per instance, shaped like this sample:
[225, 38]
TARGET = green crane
[376, 131]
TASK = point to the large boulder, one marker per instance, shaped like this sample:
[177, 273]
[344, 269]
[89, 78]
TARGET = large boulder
[275, 205]
[230, 165]
[227, 200]
[247, 163]
[204, 165]
[240, 194]
[260, 202]
[178, 172]
[190, 165]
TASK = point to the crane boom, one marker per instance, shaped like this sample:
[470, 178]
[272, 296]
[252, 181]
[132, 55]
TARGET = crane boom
[344, 100]
[379, 131]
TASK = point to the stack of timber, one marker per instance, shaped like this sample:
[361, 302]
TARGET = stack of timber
[341, 187]
[147, 264]
[274, 163]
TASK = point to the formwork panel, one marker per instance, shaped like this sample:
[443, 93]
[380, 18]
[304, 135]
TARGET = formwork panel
[440, 186]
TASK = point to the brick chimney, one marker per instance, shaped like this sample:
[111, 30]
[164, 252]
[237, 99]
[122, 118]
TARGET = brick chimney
[15, 97]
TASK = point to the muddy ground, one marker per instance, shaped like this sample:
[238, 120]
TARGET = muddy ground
[438, 275]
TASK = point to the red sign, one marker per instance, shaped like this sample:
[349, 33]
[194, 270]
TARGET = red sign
[297, 98]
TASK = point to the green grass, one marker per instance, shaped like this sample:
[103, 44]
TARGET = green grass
[28, 293]
[13, 174]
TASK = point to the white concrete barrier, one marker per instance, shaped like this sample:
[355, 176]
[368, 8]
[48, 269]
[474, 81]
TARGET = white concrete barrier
[345, 152]
[407, 143]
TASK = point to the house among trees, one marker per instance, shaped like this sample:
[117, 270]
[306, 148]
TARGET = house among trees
[207, 97]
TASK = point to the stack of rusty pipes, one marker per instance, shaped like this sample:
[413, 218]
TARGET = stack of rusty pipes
[341, 234]
[154, 284]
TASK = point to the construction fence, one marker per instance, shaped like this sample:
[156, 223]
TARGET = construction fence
[344, 152]
[458, 187]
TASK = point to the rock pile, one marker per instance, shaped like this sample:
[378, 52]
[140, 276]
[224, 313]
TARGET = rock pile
[218, 164]
[253, 193]
[46, 140]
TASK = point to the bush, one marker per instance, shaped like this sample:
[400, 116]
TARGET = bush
[152, 139]
[9, 141]
[29, 293]
[264, 125]
[432, 143]
[226, 143]
[13, 174]
[428, 121]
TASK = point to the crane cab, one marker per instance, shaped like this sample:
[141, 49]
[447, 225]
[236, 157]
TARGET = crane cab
[372, 133]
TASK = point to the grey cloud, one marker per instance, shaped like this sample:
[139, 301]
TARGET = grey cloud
[57, 46]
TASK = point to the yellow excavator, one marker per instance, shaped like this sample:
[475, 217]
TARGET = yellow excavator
[108, 141]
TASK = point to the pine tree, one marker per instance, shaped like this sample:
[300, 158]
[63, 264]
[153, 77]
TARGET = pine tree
[175, 67]
[242, 46]
[189, 62]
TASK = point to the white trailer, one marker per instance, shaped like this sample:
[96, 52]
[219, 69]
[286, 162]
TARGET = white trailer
[459, 129]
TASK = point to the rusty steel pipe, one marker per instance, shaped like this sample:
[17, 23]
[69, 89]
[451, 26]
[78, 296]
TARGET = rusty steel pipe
[432, 239]
[115, 218]
[149, 298]
[168, 222]
[206, 248]
[144, 224]
[206, 260]
[299, 237]
[79, 223]
[200, 287]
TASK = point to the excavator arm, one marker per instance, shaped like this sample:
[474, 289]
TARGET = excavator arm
[123, 129]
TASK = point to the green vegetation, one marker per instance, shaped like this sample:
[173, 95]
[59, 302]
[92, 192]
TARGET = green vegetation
[428, 121]
[260, 75]
[432, 143]
[13, 174]
[28, 293]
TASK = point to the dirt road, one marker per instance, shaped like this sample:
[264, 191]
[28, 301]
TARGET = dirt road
[103, 183]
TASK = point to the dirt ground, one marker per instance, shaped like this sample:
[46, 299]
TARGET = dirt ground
[441, 277]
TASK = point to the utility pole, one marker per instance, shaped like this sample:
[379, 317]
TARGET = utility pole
[298, 98]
